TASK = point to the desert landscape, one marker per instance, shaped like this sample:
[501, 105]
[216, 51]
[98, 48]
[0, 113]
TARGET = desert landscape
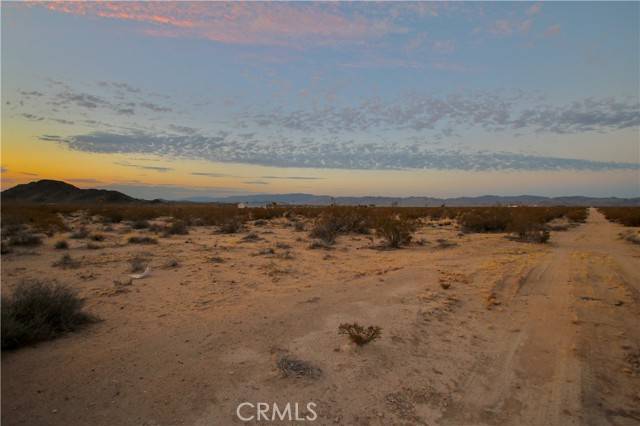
[191, 319]
[367, 213]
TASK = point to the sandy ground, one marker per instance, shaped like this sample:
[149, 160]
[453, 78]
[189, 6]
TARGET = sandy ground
[525, 334]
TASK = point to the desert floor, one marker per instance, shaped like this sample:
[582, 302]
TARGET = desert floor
[526, 334]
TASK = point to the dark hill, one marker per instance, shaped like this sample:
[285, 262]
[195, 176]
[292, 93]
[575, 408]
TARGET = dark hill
[55, 191]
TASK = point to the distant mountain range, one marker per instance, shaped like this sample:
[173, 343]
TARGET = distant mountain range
[485, 200]
[53, 191]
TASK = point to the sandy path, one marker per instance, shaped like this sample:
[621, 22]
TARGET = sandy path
[559, 348]
[185, 346]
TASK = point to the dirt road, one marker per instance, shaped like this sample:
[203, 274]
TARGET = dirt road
[479, 331]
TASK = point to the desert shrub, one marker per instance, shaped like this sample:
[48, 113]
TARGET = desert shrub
[171, 263]
[97, 237]
[231, 225]
[25, 239]
[39, 311]
[66, 262]
[80, 233]
[260, 222]
[4, 248]
[42, 218]
[251, 237]
[631, 236]
[578, 214]
[627, 216]
[177, 227]
[395, 231]
[291, 367]
[61, 245]
[325, 231]
[138, 263]
[142, 240]
[359, 334]
[495, 219]
[93, 246]
[319, 244]
[298, 226]
[140, 224]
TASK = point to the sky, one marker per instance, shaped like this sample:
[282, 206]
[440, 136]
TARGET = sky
[181, 99]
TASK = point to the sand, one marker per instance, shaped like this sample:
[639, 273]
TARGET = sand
[488, 331]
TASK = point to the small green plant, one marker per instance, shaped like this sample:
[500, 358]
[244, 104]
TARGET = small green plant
[359, 334]
[38, 311]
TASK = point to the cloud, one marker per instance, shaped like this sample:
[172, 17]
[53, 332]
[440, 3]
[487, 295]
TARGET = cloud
[138, 166]
[292, 177]
[552, 31]
[209, 174]
[534, 9]
[491, 111]
[174, 192]
[241, 23]
[327, 154]
[256, 182]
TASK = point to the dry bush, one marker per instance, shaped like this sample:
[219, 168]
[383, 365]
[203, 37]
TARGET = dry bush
[24, 239]
[359, 334]
[251, 237]
[61, 245]
[39, 311]
[177, 227]
[260, 222]
[631, 236]
[172, 263]
[42, 218]
[138, 263]
[97, 237]
[80, 233]
[627, 216]
[319, 244]
[283, 246]
[231, 226]
[93, 246]
[395, 231]
[325, 231]
[298, 226]
[66, 262]
[142, 240]
[291, 367]
[140, 224]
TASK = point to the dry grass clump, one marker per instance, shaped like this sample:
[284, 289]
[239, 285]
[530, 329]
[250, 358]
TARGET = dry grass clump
[359, 334]
[80, 233]
[61, 245]
[396, 231]
[325, 231]
[66, 262]
[627, 216]
[42, 218]
[24, 239]
[138, 263]
[251, 237]
[298, 226]
[177, 227]
[171, 263]
[38, 311]
[142, 240]
[291, 367]
[140, 224]
[97, 237]
[232, 225]
[319, 244]
[631, 236]
[93, 246]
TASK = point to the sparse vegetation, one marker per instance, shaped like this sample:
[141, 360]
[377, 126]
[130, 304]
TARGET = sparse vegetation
[627, 216]
[291, 367]
[395, 231]
[231, 226]
[66, 262]
[142, 240]
[38, 311]
[80, 233]
[138, 263]
[61, 245]
[24, 239]
[359, 334]
[177, 227]
[97, 237]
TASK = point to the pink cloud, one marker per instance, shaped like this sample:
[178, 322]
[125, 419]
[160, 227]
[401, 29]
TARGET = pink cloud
[238, 22]
[534, 10]
[552, 31]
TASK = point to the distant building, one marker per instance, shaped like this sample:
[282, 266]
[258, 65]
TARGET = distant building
[242, 206]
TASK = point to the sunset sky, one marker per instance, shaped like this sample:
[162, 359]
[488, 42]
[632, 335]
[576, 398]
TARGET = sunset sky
[185, 99]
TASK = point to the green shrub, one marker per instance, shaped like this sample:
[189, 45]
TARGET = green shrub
[395, 231]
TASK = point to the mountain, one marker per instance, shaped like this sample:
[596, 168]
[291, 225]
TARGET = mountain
[55, 191]
[485, 200]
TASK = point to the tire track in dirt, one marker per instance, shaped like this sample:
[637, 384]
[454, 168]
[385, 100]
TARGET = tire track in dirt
[550, 360]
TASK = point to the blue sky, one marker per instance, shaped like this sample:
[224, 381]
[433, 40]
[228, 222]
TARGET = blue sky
[176, 99]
